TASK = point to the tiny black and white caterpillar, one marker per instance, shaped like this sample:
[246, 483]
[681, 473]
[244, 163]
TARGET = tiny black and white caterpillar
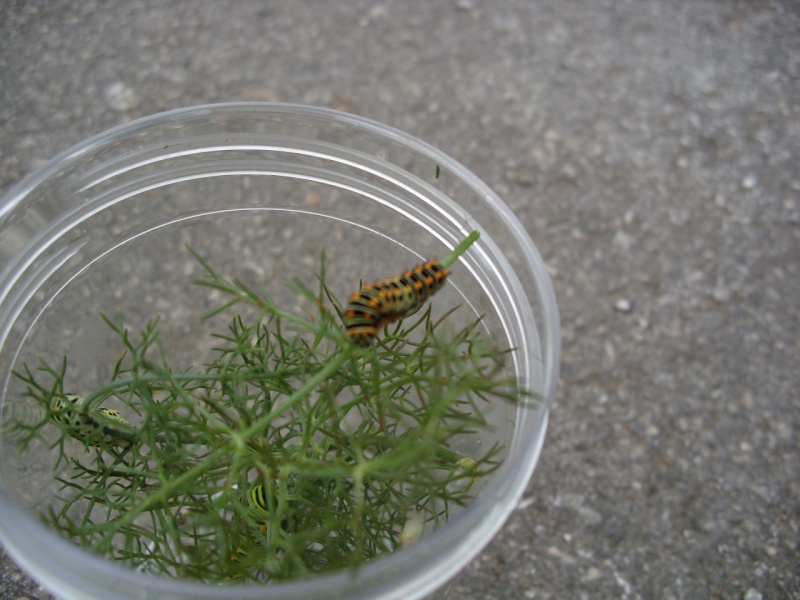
[380, 303]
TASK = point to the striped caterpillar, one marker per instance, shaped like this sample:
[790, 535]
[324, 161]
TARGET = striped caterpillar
[380, 303]
[248, 552]
[257, 506]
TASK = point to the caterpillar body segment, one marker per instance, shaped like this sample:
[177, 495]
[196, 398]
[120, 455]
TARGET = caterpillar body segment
[87, 427]
[257, 506]
[375, 305]
[379, 303]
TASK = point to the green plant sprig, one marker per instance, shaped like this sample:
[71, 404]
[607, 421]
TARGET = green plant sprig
[350, 445]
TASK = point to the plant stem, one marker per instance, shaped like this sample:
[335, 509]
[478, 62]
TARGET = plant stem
[460, 249]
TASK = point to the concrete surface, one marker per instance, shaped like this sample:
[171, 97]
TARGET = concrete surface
[650, 147]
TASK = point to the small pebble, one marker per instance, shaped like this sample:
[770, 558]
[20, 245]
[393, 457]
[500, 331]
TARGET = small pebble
[753, 594]
[721, 294]
[623, 305]
[121, 97]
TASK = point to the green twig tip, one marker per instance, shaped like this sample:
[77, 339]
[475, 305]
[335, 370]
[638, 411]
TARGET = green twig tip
[460, 249]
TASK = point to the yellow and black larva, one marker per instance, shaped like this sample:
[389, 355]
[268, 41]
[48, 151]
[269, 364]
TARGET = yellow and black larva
[379, 303]
[257, 506]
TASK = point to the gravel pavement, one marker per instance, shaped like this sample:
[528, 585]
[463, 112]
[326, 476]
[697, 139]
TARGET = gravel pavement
[650, 148]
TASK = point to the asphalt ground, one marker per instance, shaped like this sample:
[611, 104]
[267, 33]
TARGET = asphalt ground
[650, 148]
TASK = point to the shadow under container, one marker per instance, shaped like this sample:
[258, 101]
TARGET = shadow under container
[262, 189]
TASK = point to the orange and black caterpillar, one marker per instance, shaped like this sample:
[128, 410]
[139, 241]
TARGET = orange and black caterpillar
[376, 304]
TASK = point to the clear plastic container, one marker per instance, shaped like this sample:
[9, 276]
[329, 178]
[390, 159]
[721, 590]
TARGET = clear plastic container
[261, 189]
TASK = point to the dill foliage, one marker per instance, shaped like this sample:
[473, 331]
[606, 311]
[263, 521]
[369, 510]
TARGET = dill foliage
[293, 451]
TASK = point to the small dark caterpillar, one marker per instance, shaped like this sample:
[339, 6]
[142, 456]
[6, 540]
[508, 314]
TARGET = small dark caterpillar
[249, 557]
[375, 305]
[245, 557]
